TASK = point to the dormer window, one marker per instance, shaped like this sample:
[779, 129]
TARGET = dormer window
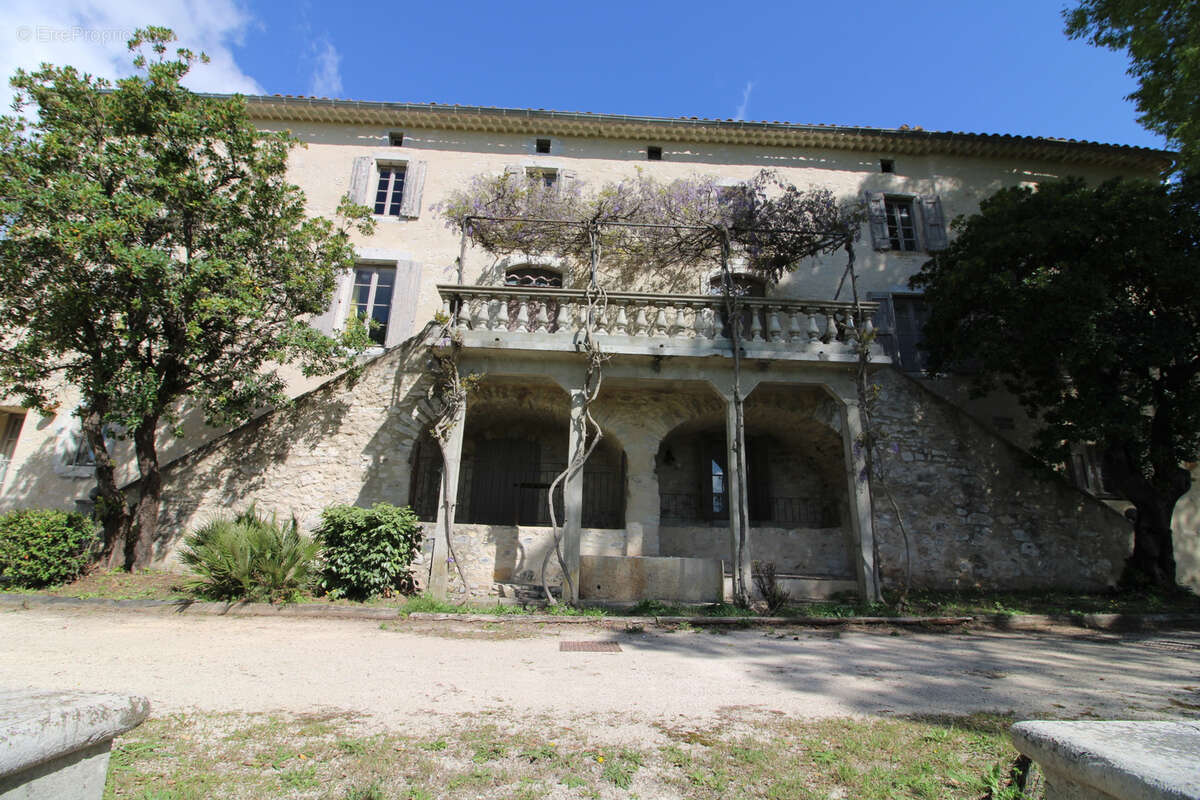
[527, 275]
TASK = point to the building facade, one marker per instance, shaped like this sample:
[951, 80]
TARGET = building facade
[650, 515]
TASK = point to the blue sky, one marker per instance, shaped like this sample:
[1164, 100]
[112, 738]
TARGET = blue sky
[962, 65]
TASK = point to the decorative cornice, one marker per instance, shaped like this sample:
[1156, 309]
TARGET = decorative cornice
[898, 141]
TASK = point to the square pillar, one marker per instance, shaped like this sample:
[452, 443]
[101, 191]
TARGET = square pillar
[447, 503]
[573, 496]
[859, 485]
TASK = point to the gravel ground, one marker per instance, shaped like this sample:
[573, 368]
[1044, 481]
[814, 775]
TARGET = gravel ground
[407, 672]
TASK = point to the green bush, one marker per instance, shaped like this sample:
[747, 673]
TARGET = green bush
[368, 551]
[249, 558]
[41, 547]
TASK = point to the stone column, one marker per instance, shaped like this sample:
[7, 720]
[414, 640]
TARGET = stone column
[573, 495]
[860, 500]
[733, 479]
[447, 503]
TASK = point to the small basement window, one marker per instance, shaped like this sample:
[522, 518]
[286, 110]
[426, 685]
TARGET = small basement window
[654, 153]
[542, 146]
[887, 165]
[396, 138]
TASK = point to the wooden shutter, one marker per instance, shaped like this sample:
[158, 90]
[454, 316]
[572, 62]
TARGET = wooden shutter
[885, 325]
[327, 321]
[360, 179]
[566, 180]
[877, 214]
[935, 223]
[515, 174]
[406, 292]
[414, 182]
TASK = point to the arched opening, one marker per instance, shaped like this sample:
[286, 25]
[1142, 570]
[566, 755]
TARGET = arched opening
[510, 457]
[533, 276]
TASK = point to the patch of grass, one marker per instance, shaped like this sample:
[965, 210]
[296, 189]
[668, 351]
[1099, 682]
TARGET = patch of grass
[115, 584]
[194, 757]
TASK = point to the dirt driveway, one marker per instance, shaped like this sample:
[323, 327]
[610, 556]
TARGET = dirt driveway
[403, 672]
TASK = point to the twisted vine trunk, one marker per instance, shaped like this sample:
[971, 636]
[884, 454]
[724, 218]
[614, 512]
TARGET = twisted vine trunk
[740, 531]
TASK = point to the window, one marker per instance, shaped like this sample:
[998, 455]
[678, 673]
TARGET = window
[396, 139]
[536, 277]
[1089, 472]
[653, 153]
[389, 194]
[900, 323]
[887, 165]
[542, 146]
[10, 431]
[373, 298]
[546, 177]
[84, 455]
[901, 224]
[906, 223]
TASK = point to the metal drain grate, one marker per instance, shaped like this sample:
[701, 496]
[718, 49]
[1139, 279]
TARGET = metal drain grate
[1173, 646]
[589, 647]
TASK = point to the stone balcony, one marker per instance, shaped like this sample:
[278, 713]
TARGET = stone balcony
[521, 318]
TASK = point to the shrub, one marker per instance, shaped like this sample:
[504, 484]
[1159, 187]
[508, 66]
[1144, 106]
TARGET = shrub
[41, 547]
[368, 551]
[774, 595]
[249, 558]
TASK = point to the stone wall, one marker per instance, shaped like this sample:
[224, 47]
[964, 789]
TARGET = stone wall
[823, 552]
[980, 512]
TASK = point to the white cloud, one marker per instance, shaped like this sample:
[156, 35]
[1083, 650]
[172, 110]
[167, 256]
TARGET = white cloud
[741, 109]
[91, 36]
[326, 78]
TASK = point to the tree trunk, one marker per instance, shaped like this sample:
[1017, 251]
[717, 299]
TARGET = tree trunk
[742, 562]
[139, 547]
[1152, 562]
[112, 510]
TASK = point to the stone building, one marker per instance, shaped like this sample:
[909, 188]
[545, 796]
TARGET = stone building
[650, 516]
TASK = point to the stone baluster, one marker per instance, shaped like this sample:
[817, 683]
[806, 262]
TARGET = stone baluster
[462, 317]
[479, 309]
[675, 318]
[774, 329]
[446, 309]
[541, 320]
[599, 318]
[497, 314]
[756, 328]
[621, 325]
[562, 320]
[641, 325]
[795, 327]
[659, 327]
[523, 313]
[849, 332]
[831, 328]
[709, 328]
[814, 332]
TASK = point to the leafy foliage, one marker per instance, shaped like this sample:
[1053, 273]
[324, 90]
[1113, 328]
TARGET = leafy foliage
[41, 547]
[679, 224]
[154, 250]
[1162, 38]
[368, 551]
[1083, 302]
[249, 558]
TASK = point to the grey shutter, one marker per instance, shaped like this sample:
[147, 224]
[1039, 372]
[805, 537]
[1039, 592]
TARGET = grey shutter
[877, 213]
[514, 173]
[406, 294]
[566, 180]
[935, 223]
[341, 291]
[885, 325]
[360, 180]
[414, 182]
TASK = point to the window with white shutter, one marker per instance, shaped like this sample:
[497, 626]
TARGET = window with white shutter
[389, 188]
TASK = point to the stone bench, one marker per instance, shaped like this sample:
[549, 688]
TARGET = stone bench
[1114, 760]
[55, 745]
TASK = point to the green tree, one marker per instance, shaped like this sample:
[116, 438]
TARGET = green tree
[1085, 303]
[154, 251]
[1162, 38]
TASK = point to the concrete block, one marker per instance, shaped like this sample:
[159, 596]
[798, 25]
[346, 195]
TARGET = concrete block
[1118, 760]
[55, 745]
[634, 578]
